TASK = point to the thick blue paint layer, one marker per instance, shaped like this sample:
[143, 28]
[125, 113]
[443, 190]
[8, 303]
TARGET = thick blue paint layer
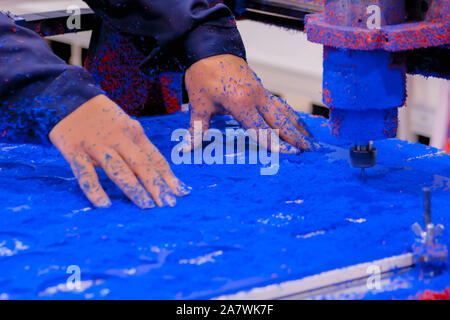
[363, 89]
[236, 230]
[365, 125]
[362, 80]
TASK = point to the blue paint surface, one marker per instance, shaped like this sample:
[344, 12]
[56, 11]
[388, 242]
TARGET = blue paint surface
[236, 230]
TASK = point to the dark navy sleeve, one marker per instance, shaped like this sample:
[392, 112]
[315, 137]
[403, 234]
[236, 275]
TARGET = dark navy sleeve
[37, 89]
[190, 29]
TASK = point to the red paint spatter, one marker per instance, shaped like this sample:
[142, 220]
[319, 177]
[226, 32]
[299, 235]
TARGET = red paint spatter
[335, 123]
[116, 66]
[329, 29]
[391, 125]
[170, 97]
[432, 295]
[327, 97]
[119, 82]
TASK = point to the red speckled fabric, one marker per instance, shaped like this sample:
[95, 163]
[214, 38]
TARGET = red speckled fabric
[115, 64]
[140, 39]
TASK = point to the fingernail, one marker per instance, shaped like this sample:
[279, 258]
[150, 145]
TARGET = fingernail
[288, 149]
[169, 200]
[316, 146]
[143, 201]
[104, 203]
[147, 204]
[183, 189]
[308, 144]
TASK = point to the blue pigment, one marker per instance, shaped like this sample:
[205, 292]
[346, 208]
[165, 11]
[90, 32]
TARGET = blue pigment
[361, 88]
[237, 229]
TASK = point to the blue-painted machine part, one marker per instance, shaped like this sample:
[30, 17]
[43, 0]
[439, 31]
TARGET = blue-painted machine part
[363, 90]
[362, 70]
[362, 80]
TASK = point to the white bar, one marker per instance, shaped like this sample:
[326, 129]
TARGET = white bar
[325, 279]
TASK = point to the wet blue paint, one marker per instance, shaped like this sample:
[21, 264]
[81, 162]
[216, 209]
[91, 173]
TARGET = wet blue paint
[236, 230]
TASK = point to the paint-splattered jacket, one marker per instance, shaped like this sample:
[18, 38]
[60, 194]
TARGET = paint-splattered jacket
[160, 38]
[37, 89]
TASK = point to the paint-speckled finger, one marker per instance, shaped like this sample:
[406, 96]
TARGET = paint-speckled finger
[250, 118]
[176, 185]
[119, 172]
[145, 168]
[84, 171]
[162, 166]
[160, 190]
[291, 114]
[277, 119]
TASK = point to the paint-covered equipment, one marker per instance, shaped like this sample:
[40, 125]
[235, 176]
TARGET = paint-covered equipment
[427, 250]
[364, 75]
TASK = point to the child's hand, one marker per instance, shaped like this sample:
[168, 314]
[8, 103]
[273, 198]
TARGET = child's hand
[226, 84]
[100, 134]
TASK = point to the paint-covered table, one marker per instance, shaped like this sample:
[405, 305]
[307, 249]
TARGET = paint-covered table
[237, 230]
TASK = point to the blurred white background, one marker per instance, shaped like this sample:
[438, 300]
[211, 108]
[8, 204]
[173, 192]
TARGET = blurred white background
[291, 67]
